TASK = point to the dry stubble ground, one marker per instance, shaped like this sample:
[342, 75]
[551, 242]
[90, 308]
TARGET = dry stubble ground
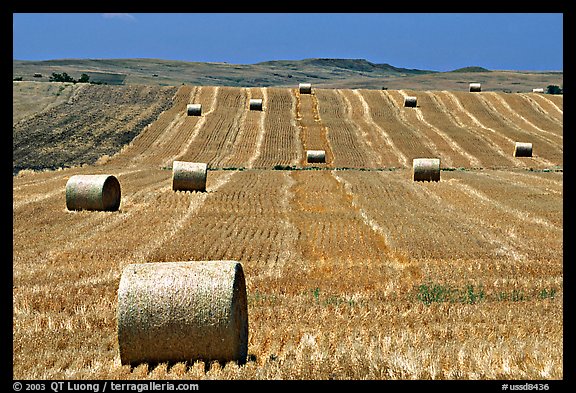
[351, 274]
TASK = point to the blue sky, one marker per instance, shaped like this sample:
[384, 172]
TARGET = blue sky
[432, 41]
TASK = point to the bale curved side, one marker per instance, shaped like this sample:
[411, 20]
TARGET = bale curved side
[182, 311]
[256, 104]
[475, 87]
[93, 192]
[194, 109]
[189, 176]
[523, 149]
[305, 88]
[316, 156]
[426, 169]
[410, 101]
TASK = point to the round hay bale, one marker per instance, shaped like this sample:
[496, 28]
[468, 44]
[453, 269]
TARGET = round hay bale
[194, 109]
[189, 176]
[538, 90]
[256, 104]
[316, 156]
[93, 192]
[182, 311]
[475, 87]
[523, 149]
[426, 169]
[410, 101]
[305, 88]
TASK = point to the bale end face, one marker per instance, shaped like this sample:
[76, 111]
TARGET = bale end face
[93, 192]
[523, 149]
[189, 176]
[194, 109]
[426, 169]
[316, 156]
[410, 102]
[182, 311]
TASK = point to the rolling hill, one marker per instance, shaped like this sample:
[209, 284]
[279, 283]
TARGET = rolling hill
[330, 73]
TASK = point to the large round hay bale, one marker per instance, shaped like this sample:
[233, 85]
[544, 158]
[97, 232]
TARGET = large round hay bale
[256, 104]
[426, 169]
[538, 90]
[93, 192]
[305, 88]
[475, 87]
[194, 109]
[189, 176]
[523, 149]
[410, 101]
[182, 311]
[316, 156]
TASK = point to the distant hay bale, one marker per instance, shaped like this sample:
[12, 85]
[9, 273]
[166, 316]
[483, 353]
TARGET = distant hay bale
[305, 88]
[182, 311]
[410, 101]
[475, 87]
[256, 104]
[538, 90]
[316, 156]
[93, 192]
[194, 109]
[523, 149]
[426, 169]
[189, 176]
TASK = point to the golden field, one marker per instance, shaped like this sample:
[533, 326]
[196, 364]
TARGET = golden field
[353, 271]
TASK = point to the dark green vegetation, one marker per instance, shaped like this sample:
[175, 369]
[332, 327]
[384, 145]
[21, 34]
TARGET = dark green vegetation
[438, 293]
[64, 77]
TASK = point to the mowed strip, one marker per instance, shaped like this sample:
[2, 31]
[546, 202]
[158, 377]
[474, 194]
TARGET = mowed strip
[350, 143]
[159, 139]
[334, 239]
[537, 204]
[222, 129]
[505, 211]
[506, 133]
[530, 114]
[281, 143]
[387, 111]
[446, 113]
[313, 133]
[556, 102]
[499, 143]
[247, 147]
[420, 227]
[246, 220]
[545, 107]
[546, 146]
[376, 136]
[434, 117]
[193, 126]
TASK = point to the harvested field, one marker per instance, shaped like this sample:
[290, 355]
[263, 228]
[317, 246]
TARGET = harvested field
[353, 270]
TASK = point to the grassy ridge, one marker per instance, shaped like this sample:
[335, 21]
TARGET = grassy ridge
[331, 73]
